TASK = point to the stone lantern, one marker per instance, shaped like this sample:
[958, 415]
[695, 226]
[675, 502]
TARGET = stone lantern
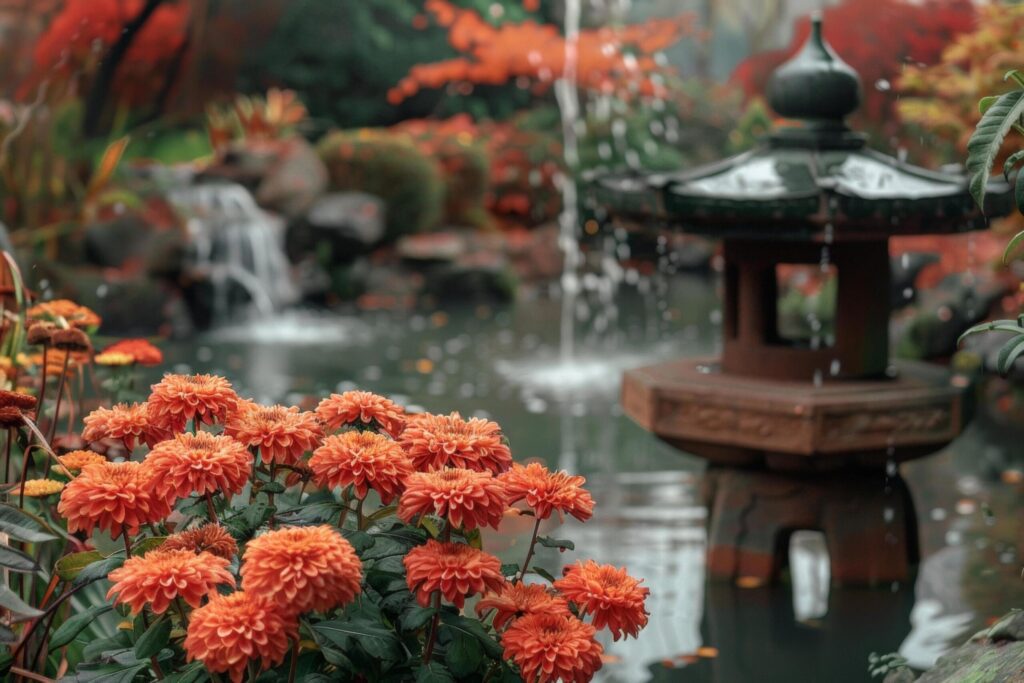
[802, 431]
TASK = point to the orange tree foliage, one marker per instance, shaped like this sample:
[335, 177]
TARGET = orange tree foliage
[877, 38]
[943, 98]
[495, 55]
[84, 30]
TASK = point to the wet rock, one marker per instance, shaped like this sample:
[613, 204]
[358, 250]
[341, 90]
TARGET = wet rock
[293, 180]
[345, 223]
[994, 654]
[482, 276]
[436, 247]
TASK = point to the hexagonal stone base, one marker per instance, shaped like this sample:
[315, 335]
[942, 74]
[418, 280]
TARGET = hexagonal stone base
[736, 420]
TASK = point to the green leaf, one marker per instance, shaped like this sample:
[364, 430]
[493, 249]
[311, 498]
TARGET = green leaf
[69, 566]
[433, 672]
[1015, 241]
[10, 600]
[16, 561]
[1016, 76]
[147, 544]
[1009, 353]
[464, 654]
[560, 543]
[154, 639]
[70, 629]
[272, 487]
[992, 326]
[415, 617]
[22, 526]
[360, 540]
[108, 673]
[99, 569]
[102, 647]
[377, 640]
[543, 573]
[985, 142]
[986, 102]
[473, 628]
[193, 673]
[1010, 162]
[510, 569]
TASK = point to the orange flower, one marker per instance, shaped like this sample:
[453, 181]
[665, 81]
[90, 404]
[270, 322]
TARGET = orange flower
[362, 407]
[518, 599]
[127, 422]
[17, 400]
[40, 488]
[455, 569]
[282, 434]
[225, 633]
[552, 647]
[113, 359]
[545, 491]
[465, 498]
[140, 350]
[75, 315]
[199, 463]
[77, 460]
[210, 538]
[614, 598]
[176, 399]
[302, 569]
[364, 460]
[436, 441]
[160, 576]
[114, 496]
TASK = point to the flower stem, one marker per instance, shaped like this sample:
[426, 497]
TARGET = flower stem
[345, 497]
[7, 456]
[127, 544]
[60, 394]
[210, 510]
[359, 514]
[181, 612]
[529, 551]
[435, 623]
[42, 387]
[294, 661]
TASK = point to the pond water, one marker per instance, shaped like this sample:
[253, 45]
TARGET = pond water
[503, 363]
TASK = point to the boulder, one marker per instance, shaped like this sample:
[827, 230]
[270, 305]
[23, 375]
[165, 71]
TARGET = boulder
[994, 654]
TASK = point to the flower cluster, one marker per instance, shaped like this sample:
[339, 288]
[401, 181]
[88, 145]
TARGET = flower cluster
[252, 527]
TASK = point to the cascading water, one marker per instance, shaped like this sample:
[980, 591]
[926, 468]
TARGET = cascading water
[236, 244]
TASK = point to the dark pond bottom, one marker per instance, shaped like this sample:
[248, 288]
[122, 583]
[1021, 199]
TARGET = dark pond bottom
[505, 363]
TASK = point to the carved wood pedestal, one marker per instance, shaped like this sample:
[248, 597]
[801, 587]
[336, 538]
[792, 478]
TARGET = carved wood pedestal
[787, 455]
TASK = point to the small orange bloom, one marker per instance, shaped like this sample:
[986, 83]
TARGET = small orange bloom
[161, 575]
[78, 316]
[302, 569]
[210, 538]
[77, 460]
[465, 498]
[176, 399]
[16, 399]
[199, 463]
[365, 460]
[228, 631]
[140, 350]
[552, 647]
[114, 496]
[518, 599]
[545, 491]
[362, 407]
[612, 597]
[40, 488]
[113, 359]
[282, 434]
[455, 569]
[436, 441]
[127, 422]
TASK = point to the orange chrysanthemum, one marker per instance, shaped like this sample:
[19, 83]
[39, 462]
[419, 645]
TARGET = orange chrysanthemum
[518, 599]
[127, 422]
[77, 460]
[199, 463]
[364, 460]
[282, 434]
[176, 399]
[209, 538]
[41, 488]
[17, 399]
[140, 350]
[113, 359]
[545, 491]
[228, 631]
[455, 569]
[552, 647]
[160, 576]
[114, 496]
[436, 441]
[612, 597]
[465, 498]
[362, 407]
[78, 316]
[300, 569]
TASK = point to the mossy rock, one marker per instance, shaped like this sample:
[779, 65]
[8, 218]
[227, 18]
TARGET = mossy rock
[390, 167]
[995, 654]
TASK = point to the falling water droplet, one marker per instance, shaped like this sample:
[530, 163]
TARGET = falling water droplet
[882, 85]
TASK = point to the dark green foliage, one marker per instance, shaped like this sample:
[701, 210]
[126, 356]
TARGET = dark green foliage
[391, 168]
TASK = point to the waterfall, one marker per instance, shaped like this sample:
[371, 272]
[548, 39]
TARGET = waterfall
[236, 244]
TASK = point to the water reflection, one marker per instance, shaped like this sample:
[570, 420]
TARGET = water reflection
[650, 517]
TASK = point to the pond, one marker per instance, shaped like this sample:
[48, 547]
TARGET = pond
[504, 362]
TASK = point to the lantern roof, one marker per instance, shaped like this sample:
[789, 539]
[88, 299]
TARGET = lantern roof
[813, 177]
